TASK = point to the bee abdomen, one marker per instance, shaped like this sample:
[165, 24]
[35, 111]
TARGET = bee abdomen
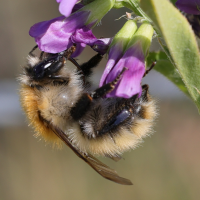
[112, 134]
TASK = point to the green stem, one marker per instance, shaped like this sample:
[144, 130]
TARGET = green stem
[134, 6]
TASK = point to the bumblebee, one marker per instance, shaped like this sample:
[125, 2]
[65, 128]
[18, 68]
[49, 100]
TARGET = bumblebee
[62, 107]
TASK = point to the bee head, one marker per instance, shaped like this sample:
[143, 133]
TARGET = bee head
[45, 68]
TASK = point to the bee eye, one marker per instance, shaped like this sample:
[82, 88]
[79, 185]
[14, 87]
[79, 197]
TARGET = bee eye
[48, 67]
[39, 71]
[51, 68]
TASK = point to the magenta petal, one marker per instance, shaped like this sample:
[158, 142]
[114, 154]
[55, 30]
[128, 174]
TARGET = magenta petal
[54, 40]
[115, 53]
[130, 83]
[39, 29]
[53, 36]
[84, 35]
[75, 21]
[66, 6]
[189, 6]
[77, 7]
[101, 45]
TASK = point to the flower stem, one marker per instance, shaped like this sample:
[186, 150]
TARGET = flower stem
[134, 6]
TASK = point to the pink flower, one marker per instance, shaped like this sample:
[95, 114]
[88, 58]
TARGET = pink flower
[60, 33]
[66, 6]
[130, 84]
[132, 58]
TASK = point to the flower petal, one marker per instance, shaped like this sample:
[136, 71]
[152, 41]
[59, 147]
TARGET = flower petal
[53, 36]
[39, 29]
[101, 45]
[189, 6]
[84, 35]
[77, 7]
[66, 6]
[130, 83]
[115, 53]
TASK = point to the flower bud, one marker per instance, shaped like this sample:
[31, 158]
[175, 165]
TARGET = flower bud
[133, 60]
[118, 47]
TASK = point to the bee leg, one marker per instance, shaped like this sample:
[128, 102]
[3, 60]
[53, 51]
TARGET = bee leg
[145, 91]
[93, 62]
[85, 102]
[86, 68]
[41, 55]
[31, 52]
[105, 89]
[150, 68]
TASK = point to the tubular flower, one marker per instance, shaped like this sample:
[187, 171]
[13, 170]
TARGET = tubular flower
[101, 45]
[118, 47]
[58, 34]
[189, 6]
[66, 6]
[85, 35]
[133, 59]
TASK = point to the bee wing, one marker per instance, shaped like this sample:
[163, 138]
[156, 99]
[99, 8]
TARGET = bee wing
[115, 158]
[98, 166]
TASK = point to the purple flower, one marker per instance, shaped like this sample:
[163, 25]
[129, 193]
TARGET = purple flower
[189, 6]
[101, 45]
[66, 6]
[54, 36]
[115, 53]
[85, 35]
[59, 34]
[133, 59]
[130, 84]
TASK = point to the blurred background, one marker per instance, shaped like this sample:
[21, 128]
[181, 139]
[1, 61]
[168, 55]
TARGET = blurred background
[166, 166]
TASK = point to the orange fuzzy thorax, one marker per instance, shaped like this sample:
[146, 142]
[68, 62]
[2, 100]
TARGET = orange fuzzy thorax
[30, 101]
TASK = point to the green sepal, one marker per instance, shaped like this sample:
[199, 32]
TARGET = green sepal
[125, 34]
[99, 9]
[144, 36]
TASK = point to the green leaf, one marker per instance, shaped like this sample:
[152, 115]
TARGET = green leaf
[173, 1]
[180, 41]
[165, 67]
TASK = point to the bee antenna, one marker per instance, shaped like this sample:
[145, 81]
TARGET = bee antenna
[33, 49]
[150, 68]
